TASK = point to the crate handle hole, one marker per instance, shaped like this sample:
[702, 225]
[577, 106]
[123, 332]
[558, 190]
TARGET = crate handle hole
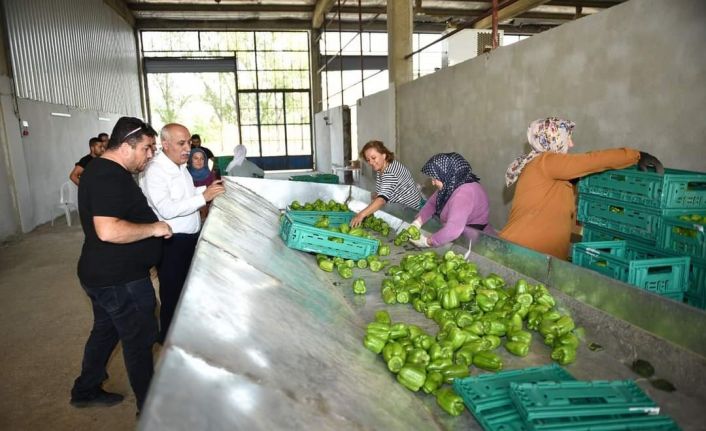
[696, 185]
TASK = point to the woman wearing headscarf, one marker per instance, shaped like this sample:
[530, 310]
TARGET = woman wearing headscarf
[460, 202]
[393, 181]
[242, 167]
[198, 168]
[543, 210]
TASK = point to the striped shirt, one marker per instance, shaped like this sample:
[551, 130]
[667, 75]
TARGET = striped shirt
[395, 185]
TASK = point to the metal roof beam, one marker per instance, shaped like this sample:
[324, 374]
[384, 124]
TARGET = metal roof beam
[201, 7]
[320, 10]
[508, 10]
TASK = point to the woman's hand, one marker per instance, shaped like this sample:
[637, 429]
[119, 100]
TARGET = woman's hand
[357, 220]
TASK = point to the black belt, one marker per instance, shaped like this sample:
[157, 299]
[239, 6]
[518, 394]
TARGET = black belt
[477, 226]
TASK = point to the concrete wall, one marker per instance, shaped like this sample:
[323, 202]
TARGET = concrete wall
[330, 137]
[633, 75]
[376, 121]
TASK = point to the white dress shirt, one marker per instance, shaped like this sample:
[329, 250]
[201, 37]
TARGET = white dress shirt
[170, 192]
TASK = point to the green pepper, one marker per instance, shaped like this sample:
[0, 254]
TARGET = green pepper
[376, 265]
[449, 401]
[418, 357]
[418, 305]
[428, 294]
[442, 315]
[493, 341]
[439, 364]
[564, 355]
[520, 337]
[384, 250]
[412, 377]
[295, 205]
[413, 232]
[570, 340]
[359, 286]
[344, 228]
[551, 315]
[488, 361]
[464, 292]
[494, 327]
[402, 297]
[521, 287]
[344, 271]
[565, 324]
[449, 300]
[433, 382]
[326, 265]
[389, 296]
[350, 263]
[513, 323]
[373, 343]
[454, 371]
[517, 348]
[432, 307]
[486, 298]
[480, 345]
[414, 331]
[394, 355]
[356, 232]
[379, 330]
[423, 341]
[321, 222]
[456, 337]
[439, 351]
[464, 319]
[464, 356]
[382, 316]
[476, 327]
[399, 330]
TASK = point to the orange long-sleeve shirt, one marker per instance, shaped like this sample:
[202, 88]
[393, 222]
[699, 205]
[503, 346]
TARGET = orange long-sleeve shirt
[543, 210]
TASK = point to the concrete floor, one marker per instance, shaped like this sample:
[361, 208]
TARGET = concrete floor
[45, 319]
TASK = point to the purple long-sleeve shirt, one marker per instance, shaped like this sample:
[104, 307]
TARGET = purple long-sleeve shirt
[467, 205]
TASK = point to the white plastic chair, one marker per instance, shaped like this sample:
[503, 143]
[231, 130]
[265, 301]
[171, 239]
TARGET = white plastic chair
[67, 201]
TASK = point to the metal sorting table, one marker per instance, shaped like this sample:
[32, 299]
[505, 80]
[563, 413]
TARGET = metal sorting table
[263, 339]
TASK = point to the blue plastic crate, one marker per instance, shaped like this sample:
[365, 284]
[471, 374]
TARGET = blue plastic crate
[304, 237]
[673, 189]
[335, 218]
[487, 396]
[666, 275]
[682, 237]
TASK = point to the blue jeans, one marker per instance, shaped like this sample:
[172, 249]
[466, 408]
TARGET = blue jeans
[123, 312]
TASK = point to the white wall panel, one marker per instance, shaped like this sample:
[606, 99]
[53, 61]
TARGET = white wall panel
[78, 53]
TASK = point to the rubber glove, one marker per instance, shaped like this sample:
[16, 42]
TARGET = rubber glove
[422, 242]
[649, 161]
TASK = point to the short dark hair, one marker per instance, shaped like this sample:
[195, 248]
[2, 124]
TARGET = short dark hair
[101, 135]
[380, 148]
[196, 136]
[130, 130]
[93, 142]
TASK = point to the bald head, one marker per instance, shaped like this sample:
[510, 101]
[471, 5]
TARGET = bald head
[176, 144]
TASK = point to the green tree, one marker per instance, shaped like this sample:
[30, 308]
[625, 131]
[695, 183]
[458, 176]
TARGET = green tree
[171, 102]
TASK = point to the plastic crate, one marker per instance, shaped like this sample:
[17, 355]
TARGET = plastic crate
[222, 162]
[318, 178]
[304, 237]
[667, 275]
[682, 237]
[674, 189]
[487, 396]
[310, 217]
[633, 221]
[696, 295]
[546, 401]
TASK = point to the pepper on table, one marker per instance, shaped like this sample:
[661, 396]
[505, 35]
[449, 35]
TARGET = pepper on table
[449, 401]
[412, 377]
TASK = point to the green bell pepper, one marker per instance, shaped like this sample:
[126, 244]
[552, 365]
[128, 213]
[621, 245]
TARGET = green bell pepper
[389, 296]
[384, 250]
[439, 364]
[344, 271]
[570, 340]
[433, 382]
[456, 337]
[476, 346]
[412, 377]
[492, 340]
[394, 355]
[431, 308]
[455, 371]
[464, 356]
[373, 343]
[524, 337]
[564, 355]
[418, 357]
[418, 305]
[439, 351]
[376, 265]
[413, 232]
[476, 327]
[402, 297]
[326, 265]
[449, 401]
[517, 348]
[379, 330]
[486, 299]
[464, 292]
[399, 330]
[382, 316]
[494, 327]
[488, 361]
[423, 341]
[449, 300]
[359, 286]
[464, 319]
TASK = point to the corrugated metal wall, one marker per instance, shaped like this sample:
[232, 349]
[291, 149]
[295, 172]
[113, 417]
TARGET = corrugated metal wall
[73, 52]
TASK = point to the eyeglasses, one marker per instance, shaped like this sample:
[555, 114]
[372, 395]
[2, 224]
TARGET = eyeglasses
[130, 133]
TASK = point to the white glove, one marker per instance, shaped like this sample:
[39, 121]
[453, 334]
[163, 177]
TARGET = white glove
[417, 222]
[422, 242]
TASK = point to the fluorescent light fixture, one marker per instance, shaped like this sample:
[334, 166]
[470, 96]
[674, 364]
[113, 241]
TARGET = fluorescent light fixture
[60, 114]
[103, 119]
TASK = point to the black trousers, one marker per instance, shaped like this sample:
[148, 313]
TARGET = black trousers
[172, 270]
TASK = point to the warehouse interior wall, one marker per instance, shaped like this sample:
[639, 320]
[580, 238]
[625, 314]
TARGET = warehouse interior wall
[89, 73]
[376, 121]
[632, 75]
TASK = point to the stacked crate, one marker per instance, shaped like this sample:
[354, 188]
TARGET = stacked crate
[659, 215]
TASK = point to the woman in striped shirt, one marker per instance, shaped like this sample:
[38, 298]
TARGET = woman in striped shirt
[393, 181]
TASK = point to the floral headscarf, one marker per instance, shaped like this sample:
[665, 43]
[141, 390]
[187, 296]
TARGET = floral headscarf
[198, 174]
[549, 134]
[452, 170]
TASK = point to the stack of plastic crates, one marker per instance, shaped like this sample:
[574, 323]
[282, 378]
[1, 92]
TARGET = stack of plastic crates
[650, 212]
[549, 399]
[317, 178]
[297, 231]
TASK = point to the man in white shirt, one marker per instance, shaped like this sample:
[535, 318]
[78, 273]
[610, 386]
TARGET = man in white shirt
[170, 192]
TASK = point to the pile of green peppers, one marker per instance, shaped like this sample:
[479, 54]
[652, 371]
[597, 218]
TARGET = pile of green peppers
[417, 359]
[376, 224]
[318, 205]
[474, 312]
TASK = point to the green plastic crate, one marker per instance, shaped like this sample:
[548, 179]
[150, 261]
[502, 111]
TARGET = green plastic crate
[222, 162]
[318, 178]
[674, 189]
[667, 275]
[335, 218]
[633, 221]
[304, 237]
[682, 237]
[543, 402]
[487, 396]
[696, 295]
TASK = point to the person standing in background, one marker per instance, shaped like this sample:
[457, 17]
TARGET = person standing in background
[97, 148]
[171, 193]
[123, 240]
[196, 143]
